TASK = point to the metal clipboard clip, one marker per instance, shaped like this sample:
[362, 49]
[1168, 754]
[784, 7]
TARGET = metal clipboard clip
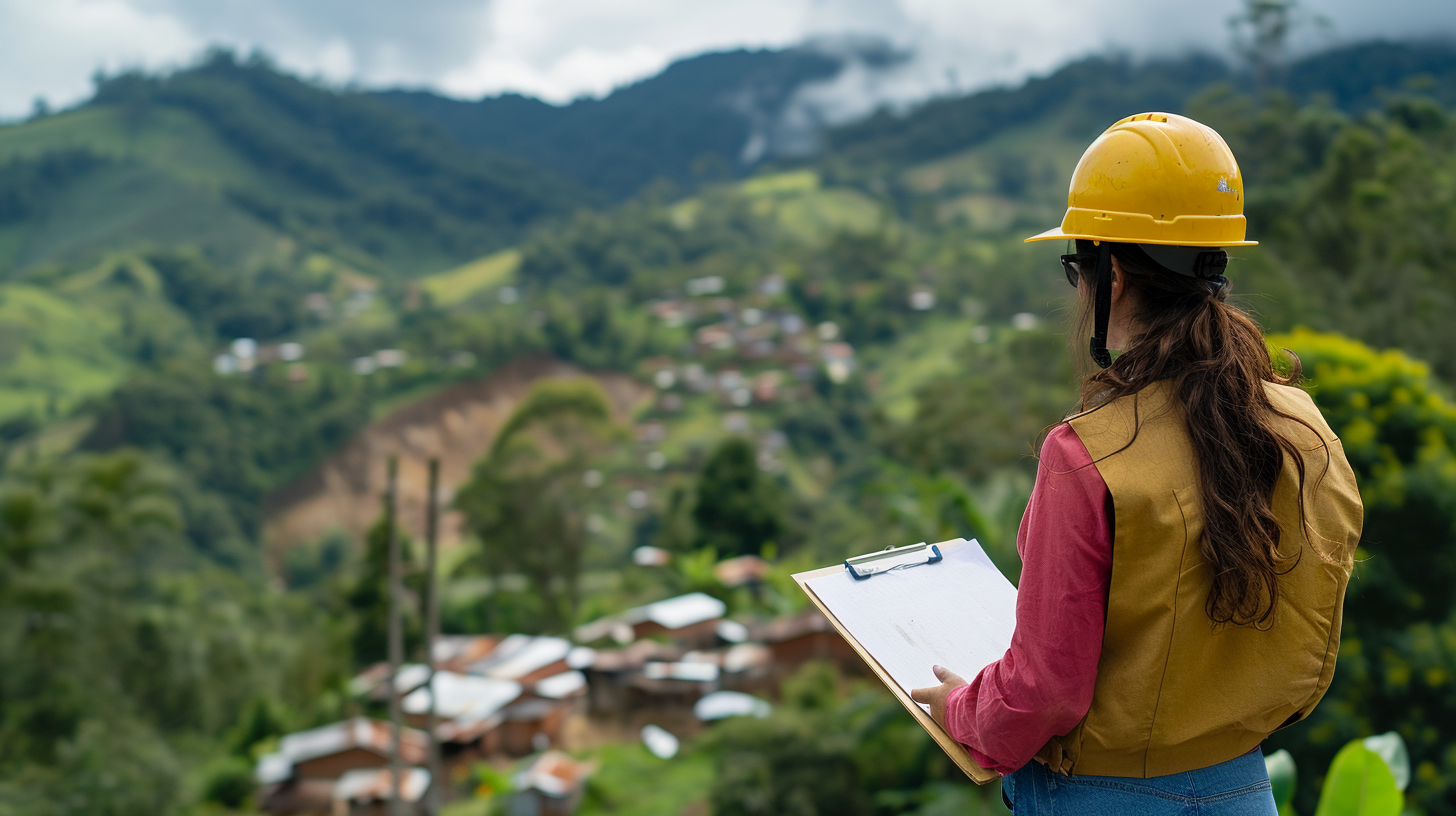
[914, 555]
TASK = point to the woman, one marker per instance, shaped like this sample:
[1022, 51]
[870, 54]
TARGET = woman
[1187, 545]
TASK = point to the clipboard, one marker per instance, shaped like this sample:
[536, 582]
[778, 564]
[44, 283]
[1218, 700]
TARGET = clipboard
[874, 567]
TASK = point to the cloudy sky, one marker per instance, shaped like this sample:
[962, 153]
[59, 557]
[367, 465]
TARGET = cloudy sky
[561, 49]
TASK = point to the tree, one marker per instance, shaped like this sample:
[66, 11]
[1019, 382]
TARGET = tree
[525, 499]
[1398, 650]
[369, 598]
[990, 411]
[739, 508]
[1357, 218]
[1262, 31]
[125, 651]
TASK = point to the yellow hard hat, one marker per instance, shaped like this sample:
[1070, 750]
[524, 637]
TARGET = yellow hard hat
[1156, 178]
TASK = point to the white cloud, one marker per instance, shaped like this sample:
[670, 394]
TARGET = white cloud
[50, 49]
[561, 49]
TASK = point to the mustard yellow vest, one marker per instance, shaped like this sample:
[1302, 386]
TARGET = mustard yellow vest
[1174, 691]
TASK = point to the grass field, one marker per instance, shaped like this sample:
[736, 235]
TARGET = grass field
[53, 352]
[915, 359]
[454, 285]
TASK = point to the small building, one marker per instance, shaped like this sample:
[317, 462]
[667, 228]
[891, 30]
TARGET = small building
[796, 639]
[649, 556]
[373, 682]
[523, 658]
[299, 777]
[766, 385]
[682, 682]
[721, 705]
[565, 686]
[609, 691]
[749, 667]
[718, 337]
[744, 570]
[460, 696]
[367, 792]
[690, 620]
[455, 652]
[552, 786]
[532, 725]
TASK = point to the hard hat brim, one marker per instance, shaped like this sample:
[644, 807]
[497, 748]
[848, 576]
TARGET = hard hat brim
[1056, 234]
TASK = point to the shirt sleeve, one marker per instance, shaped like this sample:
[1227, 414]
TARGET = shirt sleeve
[1042, 686]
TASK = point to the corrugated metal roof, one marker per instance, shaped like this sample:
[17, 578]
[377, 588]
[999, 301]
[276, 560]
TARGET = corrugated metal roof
[673, 613]
[560, 686]
[724, 704]
[273, 768]
[554, 774]
[463, 696]
[359, 732]
[520, 655]
[684, 610]
[697, 672]
[377, 784]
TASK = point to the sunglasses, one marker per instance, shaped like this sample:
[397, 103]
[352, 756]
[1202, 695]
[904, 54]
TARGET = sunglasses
[1072, 265]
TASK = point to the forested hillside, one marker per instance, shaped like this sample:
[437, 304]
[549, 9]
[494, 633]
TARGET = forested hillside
[1082, 97]
[702, 119]
[211, 281]
[230, 157]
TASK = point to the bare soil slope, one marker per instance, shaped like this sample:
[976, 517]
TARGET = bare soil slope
[457, 425]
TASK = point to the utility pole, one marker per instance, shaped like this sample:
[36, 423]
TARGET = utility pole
[432, 631]
[396, 637]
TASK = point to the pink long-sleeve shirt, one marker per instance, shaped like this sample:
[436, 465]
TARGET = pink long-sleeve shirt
[1042, 686]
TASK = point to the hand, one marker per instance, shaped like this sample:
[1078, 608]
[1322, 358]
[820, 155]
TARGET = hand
[935, 696]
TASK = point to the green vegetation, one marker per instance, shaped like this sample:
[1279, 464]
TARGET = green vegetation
[1332, 187]
[738, 509]
[524, 500]
[685, 126]
[1367, 778]
[1397, 659]
[129, 656]
[232, 156]
[617, 788]
[837, 750]
[454, 285]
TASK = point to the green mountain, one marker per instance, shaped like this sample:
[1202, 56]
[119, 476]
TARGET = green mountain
[1084, 97]
[232, 157]
[721, 115]
[689, 124]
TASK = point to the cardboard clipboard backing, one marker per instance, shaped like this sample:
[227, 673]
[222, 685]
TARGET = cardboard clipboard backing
[953, 749]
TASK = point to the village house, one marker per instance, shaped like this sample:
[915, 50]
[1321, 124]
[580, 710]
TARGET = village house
[455, 652]
[299, 778]
[514, 695]
[689, 620]
[523, 658]
[366, 792]
[460, 696]
[744, 570]
[373, 683]
[796, 639]
[609, 692]
[553, 785]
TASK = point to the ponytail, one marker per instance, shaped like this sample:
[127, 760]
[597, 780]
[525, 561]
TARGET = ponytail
[1214, 357]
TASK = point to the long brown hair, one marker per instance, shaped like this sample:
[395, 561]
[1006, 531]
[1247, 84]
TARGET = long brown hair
[1214, 357]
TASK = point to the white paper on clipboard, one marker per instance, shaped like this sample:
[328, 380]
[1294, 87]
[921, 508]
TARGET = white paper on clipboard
[959, 613]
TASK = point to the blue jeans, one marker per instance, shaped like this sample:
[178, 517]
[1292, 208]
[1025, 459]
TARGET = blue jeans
[1239, 787]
